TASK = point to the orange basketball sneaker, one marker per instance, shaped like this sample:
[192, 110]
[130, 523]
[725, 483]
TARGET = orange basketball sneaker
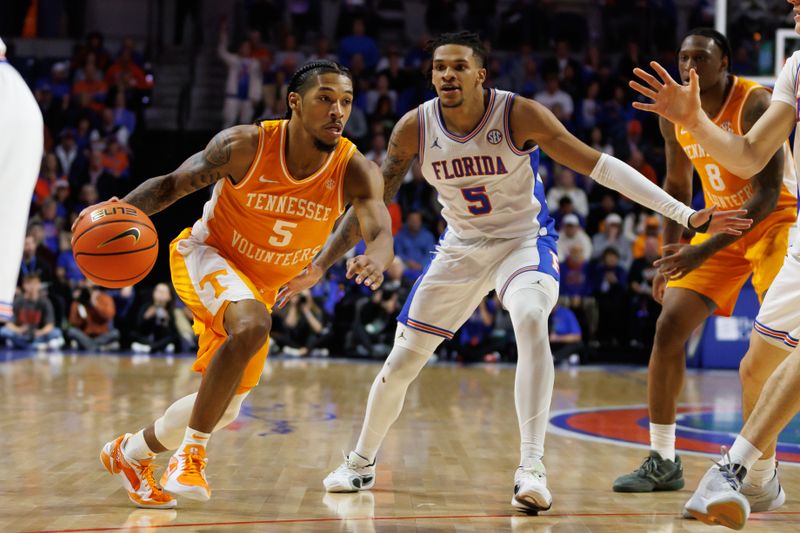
[185, 474]
[137, 476]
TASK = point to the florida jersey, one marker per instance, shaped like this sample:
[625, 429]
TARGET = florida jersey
[487, 186]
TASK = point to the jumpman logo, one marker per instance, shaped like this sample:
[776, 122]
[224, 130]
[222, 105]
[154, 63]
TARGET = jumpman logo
[436, 143]
[402, 334]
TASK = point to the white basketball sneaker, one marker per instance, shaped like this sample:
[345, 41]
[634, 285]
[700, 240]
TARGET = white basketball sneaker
[530, 488]
[766, 498]
[761, 499]
[718, 499]
[353, 475]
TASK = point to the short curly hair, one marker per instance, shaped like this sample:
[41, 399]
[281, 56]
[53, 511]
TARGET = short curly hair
[463, 38]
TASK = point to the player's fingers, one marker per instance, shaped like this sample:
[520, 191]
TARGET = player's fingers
[739, 223]
[636, 86]
[662, 72]
[672, 248]
[283, 296]
[648, 78]
[377, 281]
[365, 273]
[729, 213]
[694, 81]
[652, 108]
[373, 277]
[353, 267]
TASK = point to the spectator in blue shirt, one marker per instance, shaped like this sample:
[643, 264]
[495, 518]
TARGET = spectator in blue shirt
[475, 341]
[359, 43]
[565, 333]
[414, 244]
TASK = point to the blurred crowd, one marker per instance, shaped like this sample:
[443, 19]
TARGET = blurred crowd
[93, 102]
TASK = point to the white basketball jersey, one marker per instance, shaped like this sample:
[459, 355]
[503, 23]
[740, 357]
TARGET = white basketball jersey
[486, 185]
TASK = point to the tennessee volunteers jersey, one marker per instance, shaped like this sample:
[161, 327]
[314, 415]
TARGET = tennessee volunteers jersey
[271, 225]
[721, 187]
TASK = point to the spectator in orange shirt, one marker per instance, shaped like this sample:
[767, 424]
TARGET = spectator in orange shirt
[652, 228]
[91, 319]
[92, 84]
[125, 64]
[115, 159]
[48, 176]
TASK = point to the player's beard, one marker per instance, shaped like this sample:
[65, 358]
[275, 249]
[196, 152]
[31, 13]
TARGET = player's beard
[456, 104]
[324, 147]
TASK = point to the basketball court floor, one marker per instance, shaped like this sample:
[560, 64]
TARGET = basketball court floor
[447, 464]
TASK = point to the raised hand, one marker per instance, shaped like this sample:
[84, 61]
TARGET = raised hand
[678, 103]
[729, 222]
[366, 271]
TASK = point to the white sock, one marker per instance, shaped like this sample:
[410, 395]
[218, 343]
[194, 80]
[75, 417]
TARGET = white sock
[533, 384]
[761, 473]
[359, 460]
[742, 453]
[136, 448]
[662, 440]
[194, 437]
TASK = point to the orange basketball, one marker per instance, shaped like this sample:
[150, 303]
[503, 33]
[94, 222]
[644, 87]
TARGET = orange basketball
[115, 244]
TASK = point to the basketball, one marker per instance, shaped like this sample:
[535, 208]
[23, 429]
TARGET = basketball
[115, 244]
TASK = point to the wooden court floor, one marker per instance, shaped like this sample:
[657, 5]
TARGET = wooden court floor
[447, 464]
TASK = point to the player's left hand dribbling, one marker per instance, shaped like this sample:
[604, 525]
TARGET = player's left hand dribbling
[366, 271]
[89, 208]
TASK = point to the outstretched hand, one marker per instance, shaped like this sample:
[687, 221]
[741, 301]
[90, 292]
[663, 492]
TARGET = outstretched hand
[676, 102]
[730, 222]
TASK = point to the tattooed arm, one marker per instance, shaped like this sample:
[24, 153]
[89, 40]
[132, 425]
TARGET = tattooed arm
[229, 155]
[403, 148]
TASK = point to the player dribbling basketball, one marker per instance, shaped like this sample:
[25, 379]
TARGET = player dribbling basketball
[279, 186]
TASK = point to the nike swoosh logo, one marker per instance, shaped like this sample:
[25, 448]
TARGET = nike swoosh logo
[263, 179]
[132, 232]
[198, 437]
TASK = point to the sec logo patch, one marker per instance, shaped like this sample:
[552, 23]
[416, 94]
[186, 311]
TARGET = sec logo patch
[494, 136]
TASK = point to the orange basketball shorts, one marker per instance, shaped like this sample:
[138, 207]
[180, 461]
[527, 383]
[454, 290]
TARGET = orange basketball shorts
[760, 253]
[207, 282]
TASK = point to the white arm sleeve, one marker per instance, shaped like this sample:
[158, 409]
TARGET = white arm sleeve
[785, 85]
[615, 174]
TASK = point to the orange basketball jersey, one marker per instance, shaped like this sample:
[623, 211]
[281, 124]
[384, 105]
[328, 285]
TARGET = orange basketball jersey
[270, 225]
[720, 187]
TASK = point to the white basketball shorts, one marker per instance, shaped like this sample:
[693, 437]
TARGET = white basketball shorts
[463, 271]
[778, 321]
